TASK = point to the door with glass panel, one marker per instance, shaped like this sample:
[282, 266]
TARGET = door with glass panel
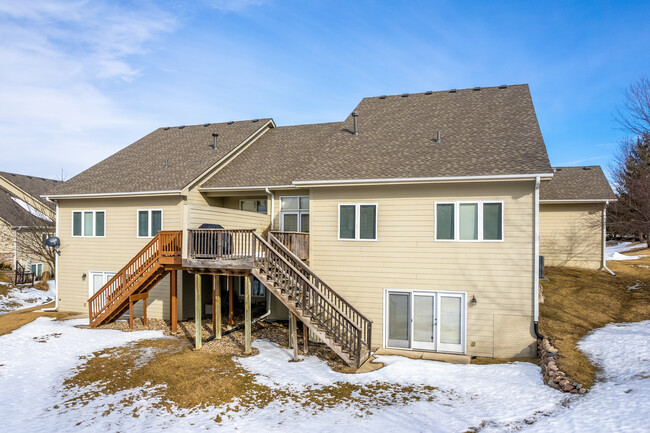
[426, 320]
[98, 279]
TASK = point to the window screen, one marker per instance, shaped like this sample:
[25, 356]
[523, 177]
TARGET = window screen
[347, 221]
[445, 221]
[492, 221]
[367, 221]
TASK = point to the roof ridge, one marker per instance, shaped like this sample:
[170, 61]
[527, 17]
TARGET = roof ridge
[430, 92]
[229, 122]
[2, 173]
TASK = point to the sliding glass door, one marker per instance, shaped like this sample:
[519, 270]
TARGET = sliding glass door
[424, 320]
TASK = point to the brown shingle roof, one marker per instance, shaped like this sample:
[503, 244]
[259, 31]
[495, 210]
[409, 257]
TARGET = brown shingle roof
[491, 131]
[32, 185]
[277, 158]
[15, 214]
[168, 159]
[577, 183]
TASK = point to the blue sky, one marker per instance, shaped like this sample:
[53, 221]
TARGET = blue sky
[79, 80]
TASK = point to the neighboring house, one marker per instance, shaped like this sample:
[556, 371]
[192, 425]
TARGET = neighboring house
[573, 210]
[421, 212]
[26, 220]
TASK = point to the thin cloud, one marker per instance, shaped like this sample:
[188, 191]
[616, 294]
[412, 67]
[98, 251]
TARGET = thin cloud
[584, 160]
[233, 5]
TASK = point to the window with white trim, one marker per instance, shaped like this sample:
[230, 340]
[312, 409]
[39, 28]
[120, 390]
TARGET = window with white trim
[358, 221]
[257, 288]
[37, 270]
[469, 221]
[88, 223]
[97, 280]
[253, 205]
[294, 214]
[149, 222]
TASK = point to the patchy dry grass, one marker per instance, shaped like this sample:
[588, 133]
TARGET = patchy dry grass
[9, 322]
[490, 361]
[175, 376]
[578, 301]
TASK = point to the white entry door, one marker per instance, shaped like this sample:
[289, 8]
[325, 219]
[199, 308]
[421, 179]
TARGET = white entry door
[424, 320]
[97, 280]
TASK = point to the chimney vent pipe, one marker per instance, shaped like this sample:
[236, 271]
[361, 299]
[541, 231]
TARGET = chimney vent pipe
[355, 117]
[214, 146]
[438, 138]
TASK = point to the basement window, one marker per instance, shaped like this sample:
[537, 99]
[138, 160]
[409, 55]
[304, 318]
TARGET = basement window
[149, 222]
[358, 221]
[88, 223]
[480, 221]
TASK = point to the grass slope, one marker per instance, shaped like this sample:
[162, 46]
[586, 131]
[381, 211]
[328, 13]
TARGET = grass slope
[577, 301]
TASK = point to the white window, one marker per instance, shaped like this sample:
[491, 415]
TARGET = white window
[469, 221]
[37, 270]
[358, 221]
[425, 320]
[257, 288]
[294, 214]
[88, 223]
[97, 279]
[253, 205]
[149, 222]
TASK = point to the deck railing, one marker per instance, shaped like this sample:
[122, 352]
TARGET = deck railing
[220, 244]
[296, 242]
[352, 313]
[130, 278]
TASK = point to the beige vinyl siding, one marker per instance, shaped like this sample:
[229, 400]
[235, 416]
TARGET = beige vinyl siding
[6, 243]
[405, 256]
[571, 234]
[228, 218]
[80, 255]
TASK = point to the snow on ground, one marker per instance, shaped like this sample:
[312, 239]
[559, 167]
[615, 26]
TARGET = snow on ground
[488, 398]
[25, 296]
[621, 401]
[614, 252]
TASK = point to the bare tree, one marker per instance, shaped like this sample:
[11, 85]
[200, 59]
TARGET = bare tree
[29, 230]
[630, 215]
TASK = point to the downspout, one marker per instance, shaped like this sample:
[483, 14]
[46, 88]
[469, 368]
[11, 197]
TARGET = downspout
[268, 191]
[536, 262]
[56, 265]
[16, 248]
[604, 267]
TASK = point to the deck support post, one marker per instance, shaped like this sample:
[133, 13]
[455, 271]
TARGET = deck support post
[294, 336]
[305, 338]
[290, 330]
[173, 303]
[231, 301]
[247, 314]
[198, 337]
[216, 307]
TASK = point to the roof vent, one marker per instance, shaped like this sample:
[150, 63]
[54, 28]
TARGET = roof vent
[355, 117]
[166, 164]
[405, 95]
[214, 145]
[476, 89]
[452, 91]
[586, 168]
[503, 86]
[231, 122]
[382, 97]
[558, 169]
[181, 127]
[438, 138]
[255, 120]
[428, 92]
[166, 128]
[206, 124]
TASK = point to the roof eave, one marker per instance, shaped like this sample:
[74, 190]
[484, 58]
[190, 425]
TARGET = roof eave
[112, 194]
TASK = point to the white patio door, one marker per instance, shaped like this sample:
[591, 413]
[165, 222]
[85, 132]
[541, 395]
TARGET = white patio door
[97, 280]
[426, 320]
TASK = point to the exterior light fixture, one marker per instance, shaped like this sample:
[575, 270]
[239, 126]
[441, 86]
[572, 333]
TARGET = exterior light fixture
[473, 301]
[83, 276]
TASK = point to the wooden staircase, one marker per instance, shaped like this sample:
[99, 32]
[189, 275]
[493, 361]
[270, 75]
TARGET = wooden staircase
[140, 275]
[339, 325]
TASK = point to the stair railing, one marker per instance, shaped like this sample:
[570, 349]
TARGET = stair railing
[317, 307]
[125, 282]
[352, 313]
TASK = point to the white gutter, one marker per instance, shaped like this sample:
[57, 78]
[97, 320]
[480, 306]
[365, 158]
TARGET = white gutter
[56, 267]
[268, 191]
[243, 188]
[536, 256]
[112, 194]
[577, 201]
[605, 240]
[426, 179]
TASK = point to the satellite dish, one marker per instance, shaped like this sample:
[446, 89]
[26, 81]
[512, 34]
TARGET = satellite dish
[53, 242]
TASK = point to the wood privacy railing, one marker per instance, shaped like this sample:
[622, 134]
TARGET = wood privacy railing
[344, 306]
[308, 298]
[21, 276]
[296, 242]
[220, 244]
[131, 277]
